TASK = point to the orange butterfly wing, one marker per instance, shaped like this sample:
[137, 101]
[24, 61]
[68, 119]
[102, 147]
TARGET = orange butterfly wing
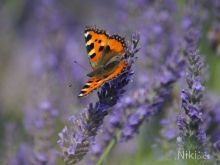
[96, 40]
[96, 81]
[113, 50]
[117, 44]
[106, 51]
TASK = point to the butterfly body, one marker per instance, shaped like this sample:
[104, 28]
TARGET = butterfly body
[105, 54]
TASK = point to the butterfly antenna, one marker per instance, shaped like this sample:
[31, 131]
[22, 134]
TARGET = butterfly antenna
[77, 80]
[80, 65]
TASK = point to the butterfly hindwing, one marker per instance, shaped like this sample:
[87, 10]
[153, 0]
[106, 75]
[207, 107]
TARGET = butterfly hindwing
[91, 85]
[97, 81]
[96, 40]
[114, 71]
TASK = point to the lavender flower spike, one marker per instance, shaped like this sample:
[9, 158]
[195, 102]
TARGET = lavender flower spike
[192, 138]
[84, 130]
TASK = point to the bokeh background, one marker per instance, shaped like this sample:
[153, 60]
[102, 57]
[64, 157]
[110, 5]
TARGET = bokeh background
[39, 41]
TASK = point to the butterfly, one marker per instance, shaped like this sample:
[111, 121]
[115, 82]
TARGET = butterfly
[105, 54]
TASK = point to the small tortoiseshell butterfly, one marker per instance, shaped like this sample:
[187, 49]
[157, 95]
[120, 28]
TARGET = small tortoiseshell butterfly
[105, 54]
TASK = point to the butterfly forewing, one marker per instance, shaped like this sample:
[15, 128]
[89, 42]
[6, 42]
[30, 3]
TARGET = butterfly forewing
[96, 40]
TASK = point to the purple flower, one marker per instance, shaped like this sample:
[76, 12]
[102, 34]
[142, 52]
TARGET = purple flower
[40, 127]
[192, 135]
[127, 132]
[168, 131]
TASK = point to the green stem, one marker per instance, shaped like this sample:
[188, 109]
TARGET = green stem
[108, 149]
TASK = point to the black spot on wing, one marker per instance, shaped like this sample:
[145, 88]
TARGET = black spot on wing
[89, 36]
[107, 49]
[82, 92]
[101, 48]
[90, 47]
[99, 41]
[93, 55]
[86, 86]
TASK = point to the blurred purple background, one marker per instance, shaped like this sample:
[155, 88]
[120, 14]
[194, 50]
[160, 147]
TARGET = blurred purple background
[39, 41]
